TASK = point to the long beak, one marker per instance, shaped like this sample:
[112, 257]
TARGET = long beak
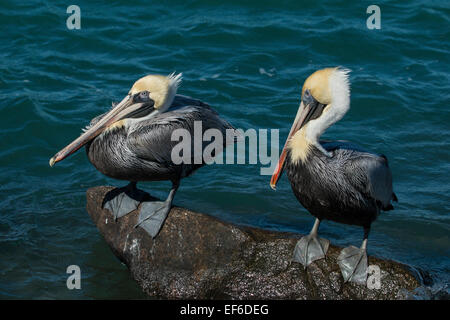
[118, 112]
[300, 120]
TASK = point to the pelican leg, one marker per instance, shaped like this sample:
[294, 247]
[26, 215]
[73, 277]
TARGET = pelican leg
[154, 213]
[122, 201]
[353, 262]
[310, 247]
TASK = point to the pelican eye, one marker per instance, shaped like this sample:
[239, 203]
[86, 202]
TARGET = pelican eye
[143, 96]
[307, 94]
[308, 97]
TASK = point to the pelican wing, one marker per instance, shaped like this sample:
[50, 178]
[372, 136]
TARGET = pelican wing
[151, 140]
[182, 101]
[367, 172]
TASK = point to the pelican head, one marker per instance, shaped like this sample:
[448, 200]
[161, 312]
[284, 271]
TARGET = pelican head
[147, 97]
[160, 89]
[325, 99]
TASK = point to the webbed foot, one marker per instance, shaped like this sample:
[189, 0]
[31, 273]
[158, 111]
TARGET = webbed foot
[122, 201]
[152, 216]
[154, 213]
[353, 264]
[310, 248]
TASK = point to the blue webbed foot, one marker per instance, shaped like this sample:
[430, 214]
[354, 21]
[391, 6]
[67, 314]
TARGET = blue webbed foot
[310, 248]
[353, 261]
[121, 201]
[152, 216]
[154, 213]
[353, 264]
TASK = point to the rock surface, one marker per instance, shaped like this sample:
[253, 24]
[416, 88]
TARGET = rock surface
[196, 256]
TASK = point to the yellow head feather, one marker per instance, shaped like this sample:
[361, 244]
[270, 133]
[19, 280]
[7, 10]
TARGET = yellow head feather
[162, 88]
[318, 85]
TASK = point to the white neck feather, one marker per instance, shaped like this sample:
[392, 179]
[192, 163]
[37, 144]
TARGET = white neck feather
[340, 104]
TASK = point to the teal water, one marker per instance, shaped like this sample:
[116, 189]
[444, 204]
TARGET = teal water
[248, 59]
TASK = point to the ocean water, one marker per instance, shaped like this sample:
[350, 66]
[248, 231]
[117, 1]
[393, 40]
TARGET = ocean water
[248, 59]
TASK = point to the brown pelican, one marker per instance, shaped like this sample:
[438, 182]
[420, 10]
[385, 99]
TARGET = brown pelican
[133, 142]
[334, 180]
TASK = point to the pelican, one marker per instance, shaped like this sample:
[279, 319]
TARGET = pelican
[132, 142]
[333, 180]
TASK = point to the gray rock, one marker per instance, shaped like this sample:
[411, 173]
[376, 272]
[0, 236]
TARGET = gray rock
[197, 256]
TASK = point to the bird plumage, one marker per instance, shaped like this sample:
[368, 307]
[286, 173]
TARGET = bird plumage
[333, 180]
[351, 186]
[137, 141]
[141, 151]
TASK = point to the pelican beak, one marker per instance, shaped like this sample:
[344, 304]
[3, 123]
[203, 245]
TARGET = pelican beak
[309, 109]
[129, 107]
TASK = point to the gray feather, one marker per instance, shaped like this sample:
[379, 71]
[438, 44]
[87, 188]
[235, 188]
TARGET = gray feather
[366, 171]
[142, 150]
[349, 185]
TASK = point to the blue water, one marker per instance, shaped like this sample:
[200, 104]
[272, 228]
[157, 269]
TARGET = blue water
[248, 59]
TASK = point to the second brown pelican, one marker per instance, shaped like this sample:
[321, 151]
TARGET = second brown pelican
[334, 180]
[133, 142]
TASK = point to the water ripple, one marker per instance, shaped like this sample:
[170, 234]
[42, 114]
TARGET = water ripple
[248, 60]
